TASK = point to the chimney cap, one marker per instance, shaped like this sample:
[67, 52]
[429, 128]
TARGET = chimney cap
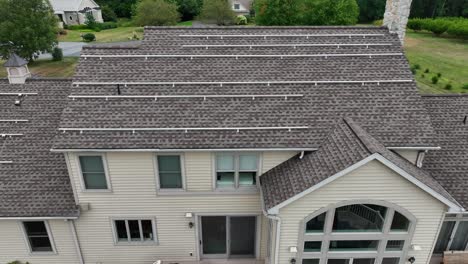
[15, 61]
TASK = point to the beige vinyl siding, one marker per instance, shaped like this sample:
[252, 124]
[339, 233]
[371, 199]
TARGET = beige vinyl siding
[371, 181]
[134, 194]
[274, 158]
[411, 155]
[13, 245]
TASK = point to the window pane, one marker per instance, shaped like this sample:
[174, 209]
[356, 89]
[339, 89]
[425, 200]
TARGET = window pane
[247, 178]
[310, 261]
[390, 260]
[354, 245]
[315, 225]
[461, 237]
[399, 223]
[134, 230]
[312, 246]
[147, 227]
[169, 163]
[95, 180]
[91, 164]
[172, 180]
[248, 162]
[364, 261]
[38, 237]
[338, 261]
[225, 179]
[359, 218]
[395, 245]
[170, 172]
[225, 162]
[121, 230]
[444, 237]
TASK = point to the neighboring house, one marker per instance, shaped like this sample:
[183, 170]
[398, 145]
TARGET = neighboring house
[273, 145]
[73, 12]
[241, 7]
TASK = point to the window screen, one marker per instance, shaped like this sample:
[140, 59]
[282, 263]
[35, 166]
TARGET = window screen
[94, 175]
[170, 172]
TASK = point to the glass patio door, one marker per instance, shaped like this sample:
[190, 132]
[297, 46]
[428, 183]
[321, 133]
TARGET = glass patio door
[228, 236]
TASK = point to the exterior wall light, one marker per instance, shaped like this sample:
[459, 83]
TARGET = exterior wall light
[412, 260]
[293, 261]
[293, 249]
[190, 225]
[188, 215]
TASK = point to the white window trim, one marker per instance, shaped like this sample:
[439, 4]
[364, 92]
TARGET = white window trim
[49, 234]
[106, 172]
[182, 169]
[236, 172]
[155, 242]
[451, 218]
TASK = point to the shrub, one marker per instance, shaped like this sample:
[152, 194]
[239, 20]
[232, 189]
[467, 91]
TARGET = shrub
[106, 25]
[415, 24]
[438, 26]
[422, 75]
[90, 21]
[156, 13]
[108, 14]
[77, 27]
[439, 74]
[124, 22]
[459, 29]
[241, 20]
[326, 12]
[448, 86]
[426, 70]
[434, 79]
[465, 86]
[378, 22]
[57, 54]
[88, 37]
[417, 66]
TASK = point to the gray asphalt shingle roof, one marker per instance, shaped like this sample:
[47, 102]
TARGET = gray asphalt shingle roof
[345, 145]
[36, 183]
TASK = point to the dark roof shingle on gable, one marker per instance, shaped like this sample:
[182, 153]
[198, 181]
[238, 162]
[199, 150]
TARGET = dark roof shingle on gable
[36, 182]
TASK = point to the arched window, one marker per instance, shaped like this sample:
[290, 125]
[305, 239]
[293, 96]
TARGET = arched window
[356, 233]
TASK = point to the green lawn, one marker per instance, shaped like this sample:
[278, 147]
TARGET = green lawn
[48, 68]
[446, 56]
[104, 36]
[185, 23]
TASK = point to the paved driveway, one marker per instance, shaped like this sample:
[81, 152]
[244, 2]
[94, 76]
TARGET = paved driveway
[73, 49]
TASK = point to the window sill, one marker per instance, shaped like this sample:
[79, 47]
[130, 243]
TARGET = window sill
[48, 253]
[214, 192]
[136, 243]
[96, 191]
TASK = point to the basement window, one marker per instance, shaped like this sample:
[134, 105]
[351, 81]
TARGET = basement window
[134, 231]
[236, 170]
[37, 233]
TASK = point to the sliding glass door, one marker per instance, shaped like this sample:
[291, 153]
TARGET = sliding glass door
[228, 236]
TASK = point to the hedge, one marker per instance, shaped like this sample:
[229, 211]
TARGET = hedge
[453, 26]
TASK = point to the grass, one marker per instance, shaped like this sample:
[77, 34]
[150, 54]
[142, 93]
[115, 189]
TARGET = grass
[185, 23]
[48, 68]
[104, 36]
[446, 56]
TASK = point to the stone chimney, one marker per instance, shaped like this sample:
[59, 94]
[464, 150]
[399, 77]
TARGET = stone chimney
[396, 16]
[17, 69]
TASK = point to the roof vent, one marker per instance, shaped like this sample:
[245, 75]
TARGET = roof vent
[17, 69]
[19, 100]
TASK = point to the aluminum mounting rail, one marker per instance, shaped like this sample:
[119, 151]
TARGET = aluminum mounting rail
[10, 135]
[13, 120]
[191, 56]
[186, 129]
[6, 162]
[284, 45]
[378, 82]
[350, 35]
[155, 97]
[18, 94]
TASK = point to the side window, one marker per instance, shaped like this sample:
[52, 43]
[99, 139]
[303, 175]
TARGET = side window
[93, 173]
[236, 6]
[38, 236]
[135, 231]
[170, 172]
[236, 170]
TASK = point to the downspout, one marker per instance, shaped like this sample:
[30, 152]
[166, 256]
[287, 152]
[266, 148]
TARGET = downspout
[278, 228]
[76, 241]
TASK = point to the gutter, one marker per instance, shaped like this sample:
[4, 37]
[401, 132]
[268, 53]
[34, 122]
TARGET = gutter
[40, 218]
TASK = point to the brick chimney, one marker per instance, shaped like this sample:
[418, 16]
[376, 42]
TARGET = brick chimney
[396, 16]
[17, 69]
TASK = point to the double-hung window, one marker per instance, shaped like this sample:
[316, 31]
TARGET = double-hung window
[170, 172]
[93, 172]
[236, 170]
[38, 236]
[135, 231]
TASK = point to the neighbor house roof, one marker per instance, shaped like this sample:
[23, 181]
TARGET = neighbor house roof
[270, 87]
[33, 181]
[449, 165]
[15, 61]
[68, 5]
[346, 145]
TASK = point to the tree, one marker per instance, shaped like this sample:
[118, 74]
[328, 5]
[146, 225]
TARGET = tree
[122, 8]
[371, 10]
[90, 21]
[108, 14]
[156, 13]
[330, 12]
[189, 9]
[217, 11]
[277, 12]
[29, 25]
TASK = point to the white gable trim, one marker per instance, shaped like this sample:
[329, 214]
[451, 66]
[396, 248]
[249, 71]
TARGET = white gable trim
[453, 207]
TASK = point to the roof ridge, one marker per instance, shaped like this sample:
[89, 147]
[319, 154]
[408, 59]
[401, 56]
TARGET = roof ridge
[359, 132]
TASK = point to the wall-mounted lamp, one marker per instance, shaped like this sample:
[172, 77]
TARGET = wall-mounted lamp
[293, 261]
[190, 224]
[412, 260]
[293, 249]
[188, 215]
[416, 247]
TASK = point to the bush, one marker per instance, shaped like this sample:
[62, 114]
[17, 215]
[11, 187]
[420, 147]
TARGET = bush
[57, 54]
[88, 37]
[448, 86]
[156, 13]
[454, 26]
[217, 11]
[417, 66]
[326, 12]
[124, 22]
[415, 24]
[465, 86]
[241, 20]
[422, 75]
[108, 14]
[439, 74]
[77, 27]
[434, 79]
[438, 26]
[459, 29]
[378, 22]
[426, 70]
[106, 25]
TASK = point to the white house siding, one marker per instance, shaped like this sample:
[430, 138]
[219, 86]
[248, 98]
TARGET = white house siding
[411, 155]
[372, 181]
[134, 194]
[13, 245]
